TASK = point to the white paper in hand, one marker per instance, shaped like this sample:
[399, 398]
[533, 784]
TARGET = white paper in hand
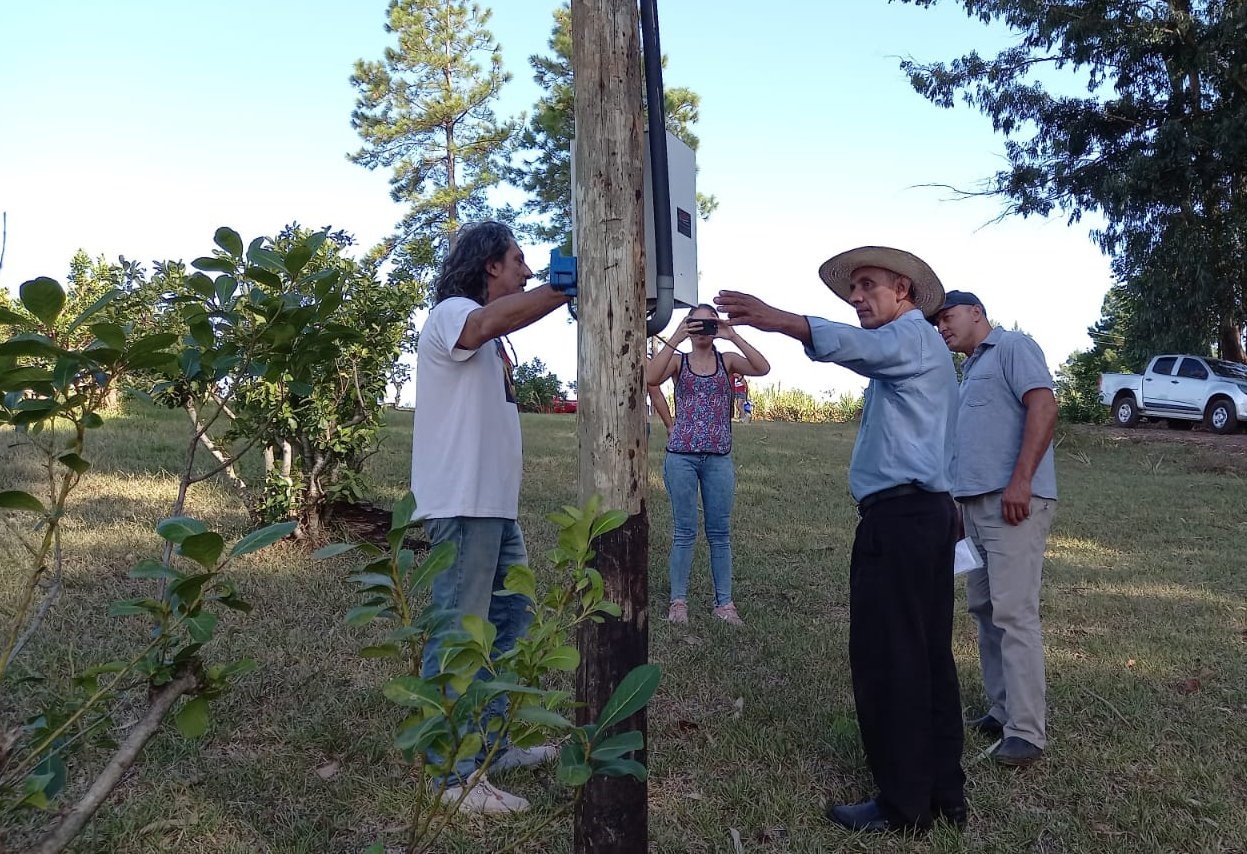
[966, 557]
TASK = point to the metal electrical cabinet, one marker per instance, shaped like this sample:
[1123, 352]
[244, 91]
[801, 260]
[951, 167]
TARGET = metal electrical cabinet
[682, 175]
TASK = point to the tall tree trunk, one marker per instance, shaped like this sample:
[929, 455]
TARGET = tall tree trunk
[611, 815]
[1230, 341]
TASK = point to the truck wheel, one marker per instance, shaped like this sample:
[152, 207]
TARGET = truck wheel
[1125, 412]
[1221, 417]
[1179, 424]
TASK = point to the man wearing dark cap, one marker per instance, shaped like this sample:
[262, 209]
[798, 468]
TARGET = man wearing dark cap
[901, 572]
[1005, 482]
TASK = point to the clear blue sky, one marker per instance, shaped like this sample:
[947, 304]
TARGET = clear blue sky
[136, 128]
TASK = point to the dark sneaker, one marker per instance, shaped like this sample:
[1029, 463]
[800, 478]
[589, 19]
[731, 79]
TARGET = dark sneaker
[1017, 751]
[987, 725]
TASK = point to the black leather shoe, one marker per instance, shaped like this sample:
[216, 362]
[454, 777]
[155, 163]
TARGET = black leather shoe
[987, 725]
[867, 817]
[1017, 751]
[954, 814]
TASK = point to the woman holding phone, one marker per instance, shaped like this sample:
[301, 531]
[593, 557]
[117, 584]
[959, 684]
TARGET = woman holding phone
[699, 450]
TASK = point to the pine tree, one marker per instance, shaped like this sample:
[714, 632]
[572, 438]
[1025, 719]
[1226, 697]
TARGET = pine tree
[1154, 143]
[424, 111]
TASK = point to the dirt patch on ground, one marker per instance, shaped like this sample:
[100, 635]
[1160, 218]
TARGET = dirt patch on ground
[1209, 451]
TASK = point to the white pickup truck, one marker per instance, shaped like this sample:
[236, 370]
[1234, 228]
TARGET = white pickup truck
[1181, 390]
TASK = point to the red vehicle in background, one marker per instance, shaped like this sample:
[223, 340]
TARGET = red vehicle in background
[561, 405]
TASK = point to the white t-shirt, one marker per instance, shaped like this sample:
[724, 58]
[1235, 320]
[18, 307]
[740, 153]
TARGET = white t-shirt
[465, 450]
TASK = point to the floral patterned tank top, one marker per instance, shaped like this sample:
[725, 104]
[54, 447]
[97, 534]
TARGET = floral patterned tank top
[703, 411]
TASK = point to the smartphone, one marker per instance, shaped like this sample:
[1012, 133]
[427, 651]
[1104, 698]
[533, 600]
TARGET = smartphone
[708, 326]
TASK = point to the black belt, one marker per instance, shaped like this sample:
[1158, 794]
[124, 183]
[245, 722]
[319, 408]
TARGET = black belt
[889, 493]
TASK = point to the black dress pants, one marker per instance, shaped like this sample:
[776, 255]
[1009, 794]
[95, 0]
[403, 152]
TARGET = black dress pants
[900, 653]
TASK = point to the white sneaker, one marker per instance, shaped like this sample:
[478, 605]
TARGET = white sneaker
[524, 757]
[484, 797]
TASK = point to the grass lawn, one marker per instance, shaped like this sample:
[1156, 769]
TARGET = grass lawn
[1145, 610]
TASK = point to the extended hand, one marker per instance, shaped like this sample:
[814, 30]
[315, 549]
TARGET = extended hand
[747, 310]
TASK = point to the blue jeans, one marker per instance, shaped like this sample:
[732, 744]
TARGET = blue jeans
[484, 550]
[715, 475]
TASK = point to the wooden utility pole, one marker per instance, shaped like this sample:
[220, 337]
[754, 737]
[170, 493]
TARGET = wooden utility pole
[606, 59]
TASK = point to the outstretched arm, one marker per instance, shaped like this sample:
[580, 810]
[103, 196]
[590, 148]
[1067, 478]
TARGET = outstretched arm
[507, 314]
[746, 310]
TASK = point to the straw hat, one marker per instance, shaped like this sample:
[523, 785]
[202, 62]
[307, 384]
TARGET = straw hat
[928, 292]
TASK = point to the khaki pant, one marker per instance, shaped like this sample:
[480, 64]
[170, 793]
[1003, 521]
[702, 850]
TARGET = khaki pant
[1003, 598]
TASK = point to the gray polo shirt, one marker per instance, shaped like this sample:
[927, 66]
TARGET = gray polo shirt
[990, 418]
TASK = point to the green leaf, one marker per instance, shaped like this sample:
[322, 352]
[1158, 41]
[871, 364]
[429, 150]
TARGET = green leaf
[202, 332]
[413, 691]
[573, 769]
[633, 693]
[608, 521]
[228, 239]
[439, 559]
[24, 377]
[92, 421]
[203, 548]
[521, 579]
[241, 667]
[480, 631]
[201, 626]
[187, 589]
[74, 463]
[297, 258]
[262, 538]
[34, 790]
[618, 745]
[266, 259]
[136, 607]
[373, 579]
[52, 765]
[192, 719]
[400, 515]
[30, 344]
[563, 658]
[213, 265]
[15, 499]
[9, 316]
[109, 334]
[151, 343]
[333, 550]
[264, 277]
[621, 768]
[544, 717]
[362, 615]
[419, 734]
[149, 568]
[177, 528]
[43, 297]
[226, 287]
[91, 310]
[381, 650]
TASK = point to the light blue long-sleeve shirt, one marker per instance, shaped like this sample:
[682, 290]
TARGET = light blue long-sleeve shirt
[909, 422]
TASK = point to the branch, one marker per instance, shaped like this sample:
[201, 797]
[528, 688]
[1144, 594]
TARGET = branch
[49, 599]
[227, 464]
[76, 819]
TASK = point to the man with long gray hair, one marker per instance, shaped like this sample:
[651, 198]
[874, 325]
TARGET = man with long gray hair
[466, 460]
